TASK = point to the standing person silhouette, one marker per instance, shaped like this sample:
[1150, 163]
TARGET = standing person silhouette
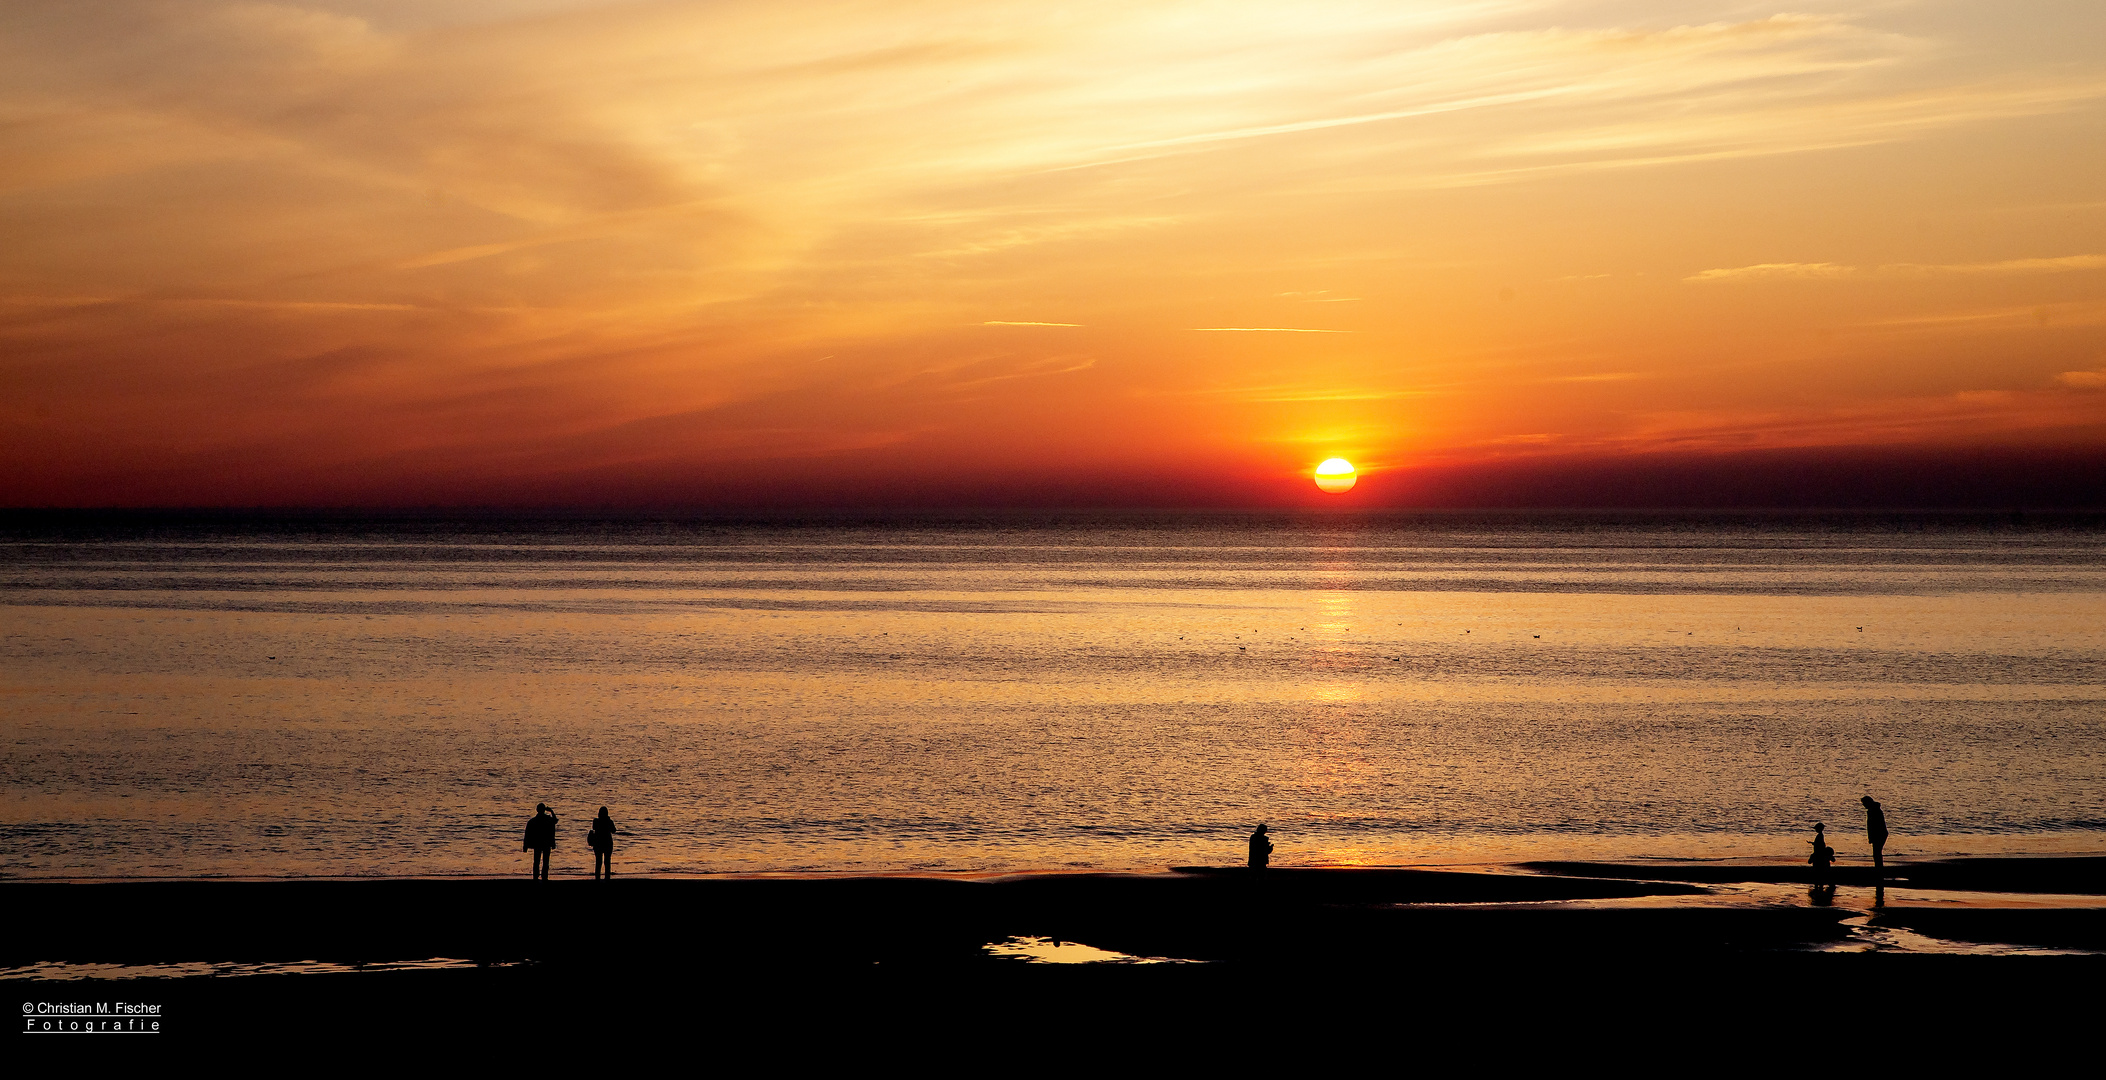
[1260, 849]
[1822, 855]
[540, 839]
[602, 840]
[1876, 831]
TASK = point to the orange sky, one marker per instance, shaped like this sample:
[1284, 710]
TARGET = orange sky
[596, 253]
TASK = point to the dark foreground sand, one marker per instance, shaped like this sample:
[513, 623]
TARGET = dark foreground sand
[1623, 951]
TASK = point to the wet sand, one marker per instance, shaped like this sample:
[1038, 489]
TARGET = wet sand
[1199, 914]
[1473, 946]
[2067, 875]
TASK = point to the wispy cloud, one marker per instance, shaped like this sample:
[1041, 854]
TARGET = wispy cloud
[1993, 318]
[1774, 270]
[1331, 395]
[1290, 393]
[1037, 369]
[2056, 265]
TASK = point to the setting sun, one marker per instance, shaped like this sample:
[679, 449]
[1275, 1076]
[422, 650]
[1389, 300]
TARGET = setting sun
[1336, 475]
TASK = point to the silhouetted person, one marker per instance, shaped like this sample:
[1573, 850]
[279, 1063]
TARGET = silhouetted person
[1876, 831]
[602, 840]
[541, 839]
[1260, 849]
[1822, 855]
[1821, 895]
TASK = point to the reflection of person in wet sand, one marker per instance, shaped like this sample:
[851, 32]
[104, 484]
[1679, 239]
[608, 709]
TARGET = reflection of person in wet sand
[1260, 849]
[1876, 831]
[540, 839]
[601, 838]
[1823, 855]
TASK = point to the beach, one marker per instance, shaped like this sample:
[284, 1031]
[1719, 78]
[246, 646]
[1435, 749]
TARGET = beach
[223, 956]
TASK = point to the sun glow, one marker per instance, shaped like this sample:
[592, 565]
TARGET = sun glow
[1336, 475]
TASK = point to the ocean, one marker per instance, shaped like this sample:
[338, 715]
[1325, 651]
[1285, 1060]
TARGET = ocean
[197, 696]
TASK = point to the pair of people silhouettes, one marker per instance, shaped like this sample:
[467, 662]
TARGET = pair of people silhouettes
[541, 840]
[1875, 831]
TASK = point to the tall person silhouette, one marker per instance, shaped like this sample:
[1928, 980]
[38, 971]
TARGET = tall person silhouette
[602, 840]
[1876, 831]
[1260, 849]
[540, 839]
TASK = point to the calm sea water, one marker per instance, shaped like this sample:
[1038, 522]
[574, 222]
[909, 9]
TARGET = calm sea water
[1119, 692]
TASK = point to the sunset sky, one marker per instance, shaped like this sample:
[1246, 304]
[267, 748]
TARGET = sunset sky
[587, 253]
